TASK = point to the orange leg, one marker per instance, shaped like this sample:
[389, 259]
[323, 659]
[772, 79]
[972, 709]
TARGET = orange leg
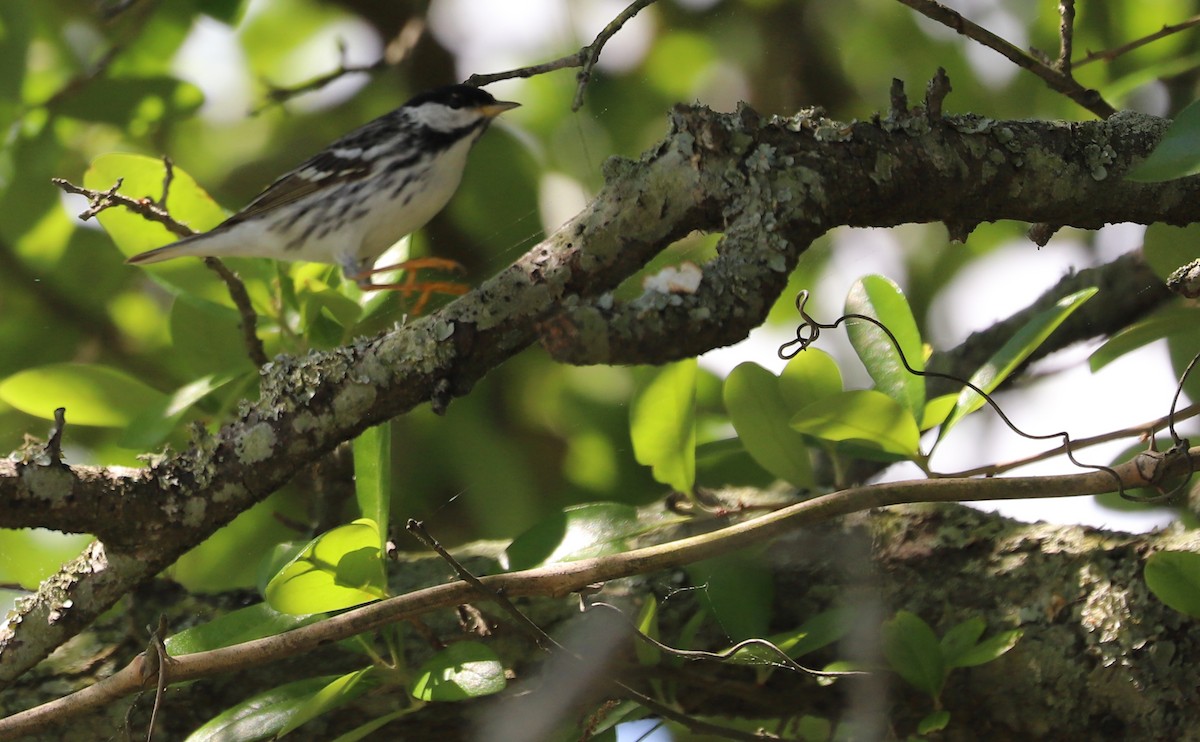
[410, 285]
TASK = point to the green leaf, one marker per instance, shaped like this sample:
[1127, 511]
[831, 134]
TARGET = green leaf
[1167, 248]
[339, 569]
[809, 376]
[663, 425]
[1172, 320]
[154, 424]
[881, 299]
[988, 649]
[131, 102]
[934, 722]
[961, 638]
[1174, 578]
[1014, 352]
[459, 672]
[738, 589]
[1177, 154]
[760, 417]
[937, 410]
[92, 394]
[867, 419]
[578, 532]
[142, 177]
[373, 476]
[818, 631]
[242, 625]
[262, 715]
[337, 692]
[207, 337]
[913, 651]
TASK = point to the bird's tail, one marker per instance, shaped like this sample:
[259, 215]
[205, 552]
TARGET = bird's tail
[181, 248]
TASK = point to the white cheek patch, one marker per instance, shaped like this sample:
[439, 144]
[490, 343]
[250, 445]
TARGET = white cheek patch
[444, 118]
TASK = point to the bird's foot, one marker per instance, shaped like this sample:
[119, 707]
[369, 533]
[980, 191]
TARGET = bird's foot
[411, 285]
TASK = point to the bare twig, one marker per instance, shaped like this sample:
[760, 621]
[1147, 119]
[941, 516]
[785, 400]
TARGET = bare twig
[1062, 83]
[1146, 429]
[154, 211]
[585, 58]
[565, 578]
[1066, 35]
[1109, 55]
[277, 94]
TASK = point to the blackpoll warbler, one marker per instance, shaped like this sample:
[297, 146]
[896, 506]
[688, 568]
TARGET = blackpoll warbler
[356, 198]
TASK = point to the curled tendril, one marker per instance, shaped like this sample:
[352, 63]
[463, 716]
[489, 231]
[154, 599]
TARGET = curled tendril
[809, 330]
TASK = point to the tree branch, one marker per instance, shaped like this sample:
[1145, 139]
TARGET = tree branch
[563, 579]
[784, 180]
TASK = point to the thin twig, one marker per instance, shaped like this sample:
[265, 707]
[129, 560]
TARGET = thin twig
[562, 579]
[1146, 429]
[1059, 82]
[1066, 35]
[1109, 55]
[585, 58]
[147, 208]
[277, 95]
[154, 211]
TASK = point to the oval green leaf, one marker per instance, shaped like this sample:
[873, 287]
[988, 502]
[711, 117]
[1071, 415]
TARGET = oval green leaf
[1177, 154]
[913, 651]
[663, 425]
[868, 419]
[988, 649]
[373, 476]
[339, 569]
[242, 625]
[261, 716]
[459, 672]
[337, 692]
[761, 419]
[578, 532]
[881, 299]
[809, 376]
[1174, 578]
[92, 394]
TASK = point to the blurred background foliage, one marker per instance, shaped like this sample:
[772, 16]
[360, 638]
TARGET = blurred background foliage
[193, 80]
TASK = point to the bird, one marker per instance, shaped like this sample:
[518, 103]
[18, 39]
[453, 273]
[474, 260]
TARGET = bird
[354, 199]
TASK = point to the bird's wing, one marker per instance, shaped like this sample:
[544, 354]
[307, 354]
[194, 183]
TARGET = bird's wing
[326, 169]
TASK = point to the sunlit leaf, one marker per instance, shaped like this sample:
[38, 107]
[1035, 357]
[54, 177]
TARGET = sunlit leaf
[1174, 320]
[153, 425]
[461, 671]
[1178, 152]
[373, 476]
[242, 625]
[881, 299]
[578, 532]
[92, 394]
[761, 419]
[811, 375]
[1174, 578]
[663, 425]
[337, 692]
[647, 623]
[868, 419]
[261, 716]
[338, 569]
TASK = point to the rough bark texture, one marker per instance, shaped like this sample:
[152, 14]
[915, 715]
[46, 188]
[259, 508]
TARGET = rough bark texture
[770, 186]
[1099, 654]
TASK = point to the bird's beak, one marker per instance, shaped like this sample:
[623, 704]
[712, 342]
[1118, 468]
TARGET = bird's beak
[493, 110]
